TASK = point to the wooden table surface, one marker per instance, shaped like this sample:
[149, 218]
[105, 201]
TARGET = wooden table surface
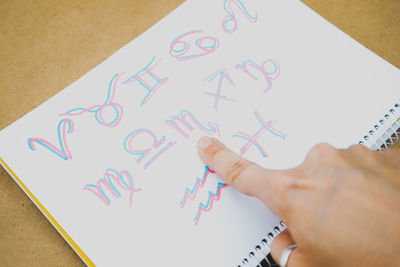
[46, 45]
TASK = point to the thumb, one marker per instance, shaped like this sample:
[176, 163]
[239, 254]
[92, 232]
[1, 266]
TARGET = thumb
[245, 176]
[282, 241]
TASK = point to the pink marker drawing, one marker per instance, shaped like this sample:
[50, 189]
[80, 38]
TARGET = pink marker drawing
[155, 144]
[269, 76]
[222, 75]
[199, 183]
[230, 23]
[99, 109]
[185, 115]
[253, 139]
[212, 197]
[65, 126]
[111, 178]
[146, 74]
[180, 48]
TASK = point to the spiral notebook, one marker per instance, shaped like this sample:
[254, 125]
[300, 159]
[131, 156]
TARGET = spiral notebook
[111, 160]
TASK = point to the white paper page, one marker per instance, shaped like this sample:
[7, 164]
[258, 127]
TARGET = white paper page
[270, 82]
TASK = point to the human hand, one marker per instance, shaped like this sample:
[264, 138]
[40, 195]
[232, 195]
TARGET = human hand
[341, 206]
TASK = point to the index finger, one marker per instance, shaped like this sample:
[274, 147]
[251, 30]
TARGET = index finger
[245, 176]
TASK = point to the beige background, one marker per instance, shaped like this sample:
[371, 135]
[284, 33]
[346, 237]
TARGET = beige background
[47, 44]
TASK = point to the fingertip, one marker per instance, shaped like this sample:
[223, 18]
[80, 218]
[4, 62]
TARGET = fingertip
[207, 146]
[204, 142]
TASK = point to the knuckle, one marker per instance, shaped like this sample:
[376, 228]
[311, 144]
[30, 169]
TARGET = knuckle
[358, 148]
[320, 151]
[235, 169]
[324, 148]
[359, 151]
[362, 155]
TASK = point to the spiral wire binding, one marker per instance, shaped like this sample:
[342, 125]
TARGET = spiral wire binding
[261, 256]
[382, 136]
[389, 136]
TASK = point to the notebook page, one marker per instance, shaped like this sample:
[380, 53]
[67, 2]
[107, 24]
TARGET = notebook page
[113, 156]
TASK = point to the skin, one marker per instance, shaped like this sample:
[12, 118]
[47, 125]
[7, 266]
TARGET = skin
[341, 206]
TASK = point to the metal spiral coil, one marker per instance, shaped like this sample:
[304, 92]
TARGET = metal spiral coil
[389, 135]
[261, 256]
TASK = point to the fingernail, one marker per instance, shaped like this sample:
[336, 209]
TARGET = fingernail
[204, 142]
